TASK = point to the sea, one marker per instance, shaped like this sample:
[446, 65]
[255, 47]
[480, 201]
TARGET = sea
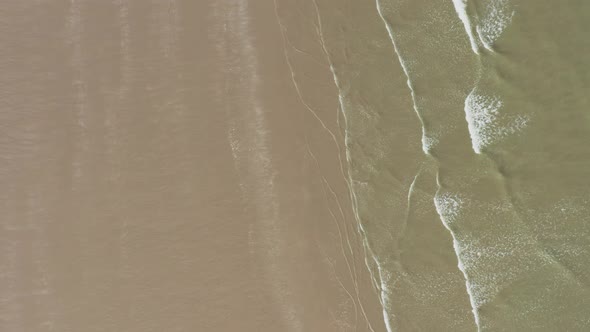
[467, 126]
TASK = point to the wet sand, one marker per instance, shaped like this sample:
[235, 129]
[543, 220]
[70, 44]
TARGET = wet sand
[162, 171]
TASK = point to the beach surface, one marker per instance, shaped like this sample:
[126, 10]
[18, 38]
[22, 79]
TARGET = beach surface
[162, 172]
[294, 165]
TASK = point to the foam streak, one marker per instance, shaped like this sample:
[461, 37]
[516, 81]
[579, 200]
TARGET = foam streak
[461, 9]
[425, 142]
[448, 207]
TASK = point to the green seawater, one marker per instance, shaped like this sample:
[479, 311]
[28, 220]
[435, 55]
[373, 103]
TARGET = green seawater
[467, 129]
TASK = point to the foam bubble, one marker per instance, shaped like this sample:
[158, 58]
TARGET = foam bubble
[496, 17]
[448, 206]
[485, 122]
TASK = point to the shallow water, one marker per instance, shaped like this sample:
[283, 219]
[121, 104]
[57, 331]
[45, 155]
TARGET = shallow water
[473, 115]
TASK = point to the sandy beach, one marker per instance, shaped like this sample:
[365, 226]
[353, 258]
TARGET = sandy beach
[162, 172]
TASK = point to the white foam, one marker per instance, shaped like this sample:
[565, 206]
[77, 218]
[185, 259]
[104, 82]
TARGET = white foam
[448, 206]
[384, 278]
[461, 9]
[485, 122]
[475, 258]
[496, 17]
[429, 141]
